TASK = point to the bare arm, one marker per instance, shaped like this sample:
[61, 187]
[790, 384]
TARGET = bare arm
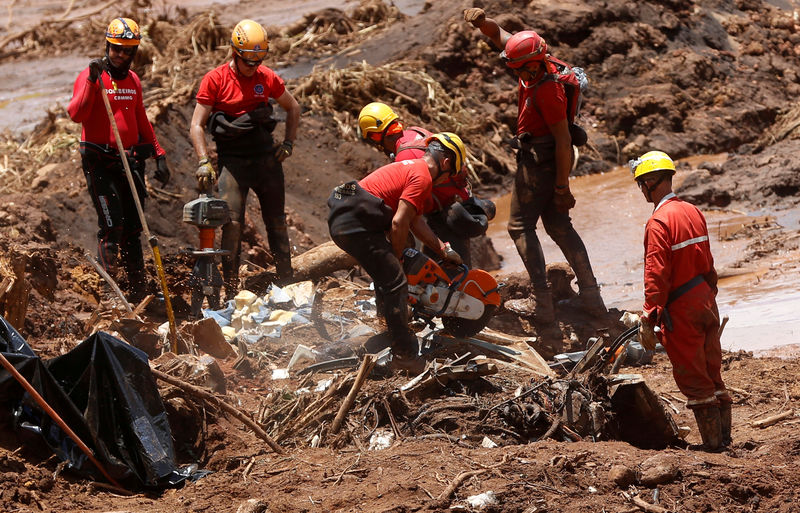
[488, 26]
[420, 228]
[401, 223]
[292, 108]
[197, 132]
[564, 154]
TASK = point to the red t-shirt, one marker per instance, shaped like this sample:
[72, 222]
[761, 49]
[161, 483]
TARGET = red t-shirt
[227, 91]
[125, 97]
[414, 139]
[551, 102]
[409, 180]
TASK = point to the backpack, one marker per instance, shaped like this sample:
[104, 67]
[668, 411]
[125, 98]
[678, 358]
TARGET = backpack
[573, 80]
[575, 83]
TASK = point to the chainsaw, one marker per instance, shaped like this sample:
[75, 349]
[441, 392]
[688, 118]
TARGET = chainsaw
[465, 299]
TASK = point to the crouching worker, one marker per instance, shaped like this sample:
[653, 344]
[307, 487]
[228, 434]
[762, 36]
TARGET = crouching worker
[450, 220]
[233, 100]
[390, 202]
[680, 289]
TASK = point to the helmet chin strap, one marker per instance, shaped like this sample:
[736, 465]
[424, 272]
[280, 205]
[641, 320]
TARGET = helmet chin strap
[649, 190]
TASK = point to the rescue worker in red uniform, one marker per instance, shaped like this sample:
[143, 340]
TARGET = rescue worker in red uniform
[680, 288]
[233, 101]
[390, 201]
[452, 212]
[544, 161]
[117, 217]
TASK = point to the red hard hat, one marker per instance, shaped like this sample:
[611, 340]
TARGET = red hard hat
[524, 47]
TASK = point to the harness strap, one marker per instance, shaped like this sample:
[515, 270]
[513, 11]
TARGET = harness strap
[686, 287]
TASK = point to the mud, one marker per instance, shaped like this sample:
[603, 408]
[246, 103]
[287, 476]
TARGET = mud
[689, 77]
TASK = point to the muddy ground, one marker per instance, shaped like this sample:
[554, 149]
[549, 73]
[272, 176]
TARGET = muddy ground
[691, 78]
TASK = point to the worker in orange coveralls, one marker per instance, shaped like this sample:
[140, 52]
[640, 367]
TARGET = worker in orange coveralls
[680, 288]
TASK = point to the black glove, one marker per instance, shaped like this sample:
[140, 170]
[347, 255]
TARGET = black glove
[96, 68]
[162, 170]
[284, 151]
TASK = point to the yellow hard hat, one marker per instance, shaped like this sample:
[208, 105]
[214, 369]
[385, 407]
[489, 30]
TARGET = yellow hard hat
[249, 40]
[651, 162]
[453, 143]
[123, 32]
[374, 118]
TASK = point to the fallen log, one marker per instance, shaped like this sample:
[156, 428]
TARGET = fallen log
[214, 400]
[322, 260]
[774, 419]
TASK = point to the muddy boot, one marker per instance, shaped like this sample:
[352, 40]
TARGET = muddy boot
[725, 423]
[231, 241]
[539, 307]
[405, 354]
[592, 301]
[710, 426]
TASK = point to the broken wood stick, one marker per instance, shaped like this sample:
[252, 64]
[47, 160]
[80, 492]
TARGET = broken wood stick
[646, 506]
[102, 272]
[211, 398]
[452, 487]
[366, 367]
[774, 419]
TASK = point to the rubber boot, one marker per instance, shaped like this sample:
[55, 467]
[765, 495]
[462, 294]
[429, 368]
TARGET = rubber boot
[592, 301]
[278, 238]
[710, 426]
[231, 241]
[725, 423]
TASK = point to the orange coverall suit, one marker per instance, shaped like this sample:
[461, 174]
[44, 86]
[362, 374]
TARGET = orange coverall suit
[677, 251]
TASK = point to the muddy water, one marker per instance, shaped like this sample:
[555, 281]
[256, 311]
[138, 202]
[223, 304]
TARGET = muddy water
[610, 215]
[23, 101]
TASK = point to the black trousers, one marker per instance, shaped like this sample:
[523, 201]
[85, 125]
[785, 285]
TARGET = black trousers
[262, 174]
[118, 220]
[531, 200]
[358, 224]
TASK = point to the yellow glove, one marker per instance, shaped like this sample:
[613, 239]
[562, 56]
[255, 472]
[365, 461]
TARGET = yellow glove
[476, 16]
[647, 335]
[205, 175]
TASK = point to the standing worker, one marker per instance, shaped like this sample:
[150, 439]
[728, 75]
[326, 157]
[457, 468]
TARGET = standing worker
[117, 216]
[390, 201]
[452, 212]
[544, 161]
[233, 100]
[680, 289]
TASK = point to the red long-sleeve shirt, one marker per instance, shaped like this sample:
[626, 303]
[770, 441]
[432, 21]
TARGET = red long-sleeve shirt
[125, 97]
[676, 249]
